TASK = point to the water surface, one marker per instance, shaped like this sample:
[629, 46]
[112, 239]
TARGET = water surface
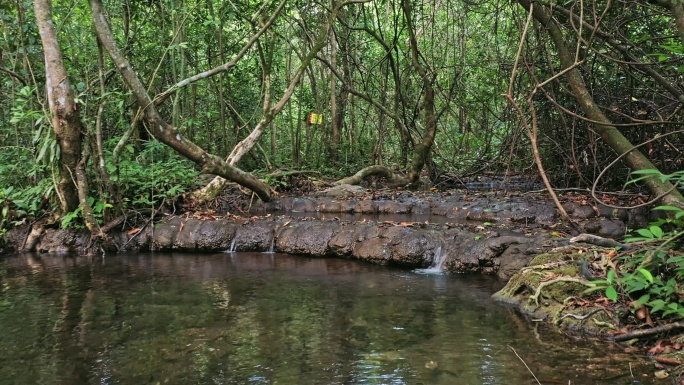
[251, 318]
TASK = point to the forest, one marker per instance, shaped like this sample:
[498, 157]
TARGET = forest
[113, 109]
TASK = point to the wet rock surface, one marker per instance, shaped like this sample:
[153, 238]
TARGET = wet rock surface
[462, 248]
[467, 233]
[516, 209]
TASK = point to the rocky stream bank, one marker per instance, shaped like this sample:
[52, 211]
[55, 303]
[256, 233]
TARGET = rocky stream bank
[465, 233]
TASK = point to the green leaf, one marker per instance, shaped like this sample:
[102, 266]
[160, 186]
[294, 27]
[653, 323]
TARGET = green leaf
[645, 233]
[43, 149]
[642, 300]
[656, 231]
[668, 208]
[656, 305]
[648, 171]
[611, 293]
[647, 274]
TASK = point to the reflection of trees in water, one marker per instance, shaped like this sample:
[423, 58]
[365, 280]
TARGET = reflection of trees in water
[262, 319]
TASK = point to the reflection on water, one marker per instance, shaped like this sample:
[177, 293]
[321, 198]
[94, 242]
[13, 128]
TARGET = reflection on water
[253, 318]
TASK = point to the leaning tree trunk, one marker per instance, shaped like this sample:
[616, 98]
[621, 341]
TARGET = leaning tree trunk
[63, 110]
[72, 188]
[604, 127]
[160, 129]
[216, 185]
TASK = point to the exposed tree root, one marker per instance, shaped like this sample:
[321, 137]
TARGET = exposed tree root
[598, 241]
[537, 292]
[37, 230]
[392, 178]
[583, 317]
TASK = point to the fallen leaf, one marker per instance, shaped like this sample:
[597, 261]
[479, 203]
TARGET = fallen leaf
[612, 253]
[661, 374]
[659, 347]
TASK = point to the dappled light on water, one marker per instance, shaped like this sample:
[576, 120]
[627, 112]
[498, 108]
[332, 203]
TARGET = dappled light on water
[254, 318]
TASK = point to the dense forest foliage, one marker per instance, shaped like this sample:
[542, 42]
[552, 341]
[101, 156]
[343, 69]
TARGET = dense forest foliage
[112, 105]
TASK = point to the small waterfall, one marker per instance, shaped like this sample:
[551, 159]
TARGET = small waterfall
[437, 261]
[271, 249]
[232, 247]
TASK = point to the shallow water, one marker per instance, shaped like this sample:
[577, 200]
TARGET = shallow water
[251, 318]
[367, 217]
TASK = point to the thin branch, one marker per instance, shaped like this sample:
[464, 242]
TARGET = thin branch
[523, 361]
[226, 66]
[648, 332]
[593, 187]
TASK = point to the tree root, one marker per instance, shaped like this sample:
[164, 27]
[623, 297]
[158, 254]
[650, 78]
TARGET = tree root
[382, 171]
[32, 238]
[598, 241]
[537, 292]
[582, 317]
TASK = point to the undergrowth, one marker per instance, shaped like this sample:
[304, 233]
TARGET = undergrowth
[650, 280]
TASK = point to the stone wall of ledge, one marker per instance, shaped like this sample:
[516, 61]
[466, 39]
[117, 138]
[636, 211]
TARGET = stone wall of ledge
[416, 246]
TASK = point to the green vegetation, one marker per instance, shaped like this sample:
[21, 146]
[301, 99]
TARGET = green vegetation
[152, 94]
[652, 276]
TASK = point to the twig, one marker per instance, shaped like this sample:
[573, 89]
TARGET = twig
[647, 332]
[138, 233]
[651, 254]
[668, 361]
[523, 361]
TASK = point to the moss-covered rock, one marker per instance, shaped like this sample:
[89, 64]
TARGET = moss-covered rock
[552, 288]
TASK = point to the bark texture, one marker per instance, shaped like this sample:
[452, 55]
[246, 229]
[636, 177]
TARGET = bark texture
[66, 122]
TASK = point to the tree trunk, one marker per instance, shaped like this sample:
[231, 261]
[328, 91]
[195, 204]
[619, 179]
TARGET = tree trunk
[64, 111]
[217, 184]
[422, 149]
[635, 160]
[72, 188]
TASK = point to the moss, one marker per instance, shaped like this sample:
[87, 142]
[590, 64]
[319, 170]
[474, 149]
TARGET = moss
[546, 258]
[553, 295]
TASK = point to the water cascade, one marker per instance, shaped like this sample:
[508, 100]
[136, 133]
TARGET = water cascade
[437, 261]
[271, 249]
[231, 249]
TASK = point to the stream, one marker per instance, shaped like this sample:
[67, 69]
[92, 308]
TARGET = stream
[258, 318]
